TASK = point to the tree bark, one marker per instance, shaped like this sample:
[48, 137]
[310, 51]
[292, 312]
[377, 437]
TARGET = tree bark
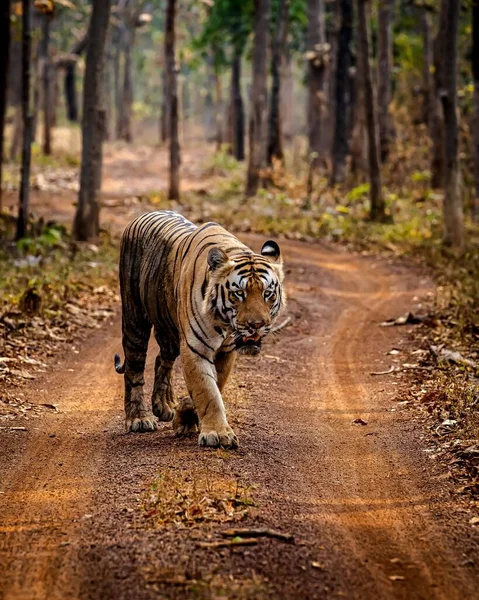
[172, 95]
[126, 102]
[318, 58]
[475, 117]
[452, 208]
[165, 110]
[22, 220]
[437, 117]
[427, 78]
[385, 16]
[257, 123]
[46, 85]
[287, 95]
[219, 109]
[237, 109]
[275, 141]
[377, 209]
[71, 98]
[4, 64]
[86, 223]
[342, 102]
[359, 146]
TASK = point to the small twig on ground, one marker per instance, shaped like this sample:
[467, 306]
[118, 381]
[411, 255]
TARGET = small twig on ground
[281, 325]
[14, 428]
[254, 533]
[228, 543]
[388, 372]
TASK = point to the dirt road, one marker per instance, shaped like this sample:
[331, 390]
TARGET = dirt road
[370, 517]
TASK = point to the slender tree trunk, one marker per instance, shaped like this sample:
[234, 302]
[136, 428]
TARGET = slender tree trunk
[359, 146]
[287, 95]
[86, 223]
[335, 14]
[427, 78]
[4, 64]
[237, 107]
[27, 119]
[318, 58]
[342, 100]
[36, 69]
[437, 117]
[46, 85]
[71, 98]
[257, 124]
[377, 210]
[219, 110]
[172, 91]
[275, 141]
[475, 117]
[453, 217]
[71, 92]
[165, 117]
[127, 92]
[116, 41]
[385, 16]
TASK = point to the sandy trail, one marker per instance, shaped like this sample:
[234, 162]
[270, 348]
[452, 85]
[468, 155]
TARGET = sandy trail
[362, 501]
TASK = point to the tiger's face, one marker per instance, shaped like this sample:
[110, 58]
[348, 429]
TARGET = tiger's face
[245, 293]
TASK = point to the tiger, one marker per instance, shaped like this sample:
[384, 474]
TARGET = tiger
[207, 297]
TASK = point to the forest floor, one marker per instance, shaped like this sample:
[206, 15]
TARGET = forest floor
[331, 452]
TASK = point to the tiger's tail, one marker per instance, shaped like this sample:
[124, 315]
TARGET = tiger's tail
[119, 368]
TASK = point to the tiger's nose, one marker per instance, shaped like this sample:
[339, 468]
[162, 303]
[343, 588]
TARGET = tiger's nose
[256, 324]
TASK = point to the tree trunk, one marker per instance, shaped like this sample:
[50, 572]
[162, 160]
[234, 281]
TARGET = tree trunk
[27, 119]
[126, 102]
[237, 109]
[385, 16]
[342, 102]
[287, 95]
[4, 64]
[437, 117]
[453, 217]
[318, 57]
[219, 110]
[165, 110]
[475, 118]
[257, 123]
[427, 78]
[172, 100]
[86, 223]
[377, 209]
[71, 99]
[46, 85]
[275, 142]
[359, 146]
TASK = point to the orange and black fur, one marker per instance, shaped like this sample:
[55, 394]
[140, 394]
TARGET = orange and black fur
[206, 295]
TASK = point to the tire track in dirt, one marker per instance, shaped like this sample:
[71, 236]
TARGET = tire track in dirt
[356, 498]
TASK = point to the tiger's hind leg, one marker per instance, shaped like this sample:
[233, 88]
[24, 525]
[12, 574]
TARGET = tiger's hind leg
[162, 399]
[136, 333]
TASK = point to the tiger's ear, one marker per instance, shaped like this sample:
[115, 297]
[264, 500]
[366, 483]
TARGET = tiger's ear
[217, 258]
[271, 250]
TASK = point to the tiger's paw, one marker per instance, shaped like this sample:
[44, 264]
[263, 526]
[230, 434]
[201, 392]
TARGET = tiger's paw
[219, 439]
[141, 424]
[186, 419]
[163, 412]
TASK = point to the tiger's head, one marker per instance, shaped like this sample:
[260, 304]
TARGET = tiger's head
[245, 293]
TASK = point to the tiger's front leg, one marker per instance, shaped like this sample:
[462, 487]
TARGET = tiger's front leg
[201, 381]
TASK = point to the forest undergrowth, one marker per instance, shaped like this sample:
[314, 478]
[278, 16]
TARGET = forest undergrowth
[53, 291]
